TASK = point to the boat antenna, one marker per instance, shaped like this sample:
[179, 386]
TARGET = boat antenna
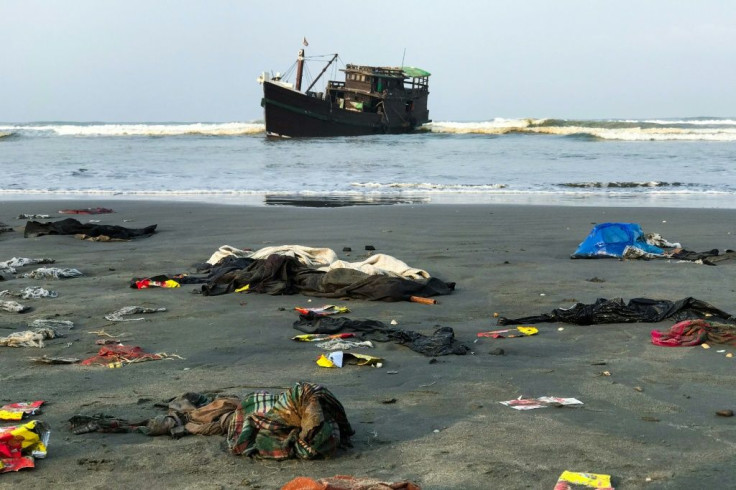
[402, 58]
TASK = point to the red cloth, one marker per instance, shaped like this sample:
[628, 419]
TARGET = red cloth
[119, 353]
[695, 332]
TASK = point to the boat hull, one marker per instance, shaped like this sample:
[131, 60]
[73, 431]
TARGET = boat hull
[289, 113]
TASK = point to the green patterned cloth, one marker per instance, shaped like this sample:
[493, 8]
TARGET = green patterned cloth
[304, 422]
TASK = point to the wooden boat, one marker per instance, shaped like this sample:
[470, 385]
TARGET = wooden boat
[371, 100]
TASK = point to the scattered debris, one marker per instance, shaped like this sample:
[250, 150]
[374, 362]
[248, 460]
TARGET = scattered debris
[52, 273]
[29, 338]
[339, 359]
[499, 334]
[19, 446]
[19, 410]
[117, 316]
[31, 292]
[541, 402]
[570, 480]
[55, 360]
[13, 307]
[322, 310]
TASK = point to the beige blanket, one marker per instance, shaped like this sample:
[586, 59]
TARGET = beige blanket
[325, 259]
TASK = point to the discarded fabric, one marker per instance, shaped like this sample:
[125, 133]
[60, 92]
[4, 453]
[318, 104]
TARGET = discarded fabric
[51, 323]
[510, 333]
[695, 332]
[152, 283]
[339, 344]
[10, 265]
[31, 292]
[20, 445]
[118, 316]
[442, 342]
[52, 273]
[637, 310]
[570, 480]
[541, 402]
[316, 337]
[325, 259]
[119, 355]
[346, 482]
[54, 360]
[339, 359]
[29, 338]
[71, 226]
[304, 422]
[323, 310]
[13, 307]
[279, 274]
[20, 410]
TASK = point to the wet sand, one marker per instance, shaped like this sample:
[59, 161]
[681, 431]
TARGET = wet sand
[650, 424]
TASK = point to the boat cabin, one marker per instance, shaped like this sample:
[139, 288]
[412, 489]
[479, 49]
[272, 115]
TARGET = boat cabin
[382, 90]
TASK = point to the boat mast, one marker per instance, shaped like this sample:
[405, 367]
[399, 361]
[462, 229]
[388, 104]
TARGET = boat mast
[322, 72]
[299, 69]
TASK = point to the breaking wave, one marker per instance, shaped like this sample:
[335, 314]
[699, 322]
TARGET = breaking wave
[625, 185]
[688, 129]
[697, 129]
[163, 129]
[426, 187]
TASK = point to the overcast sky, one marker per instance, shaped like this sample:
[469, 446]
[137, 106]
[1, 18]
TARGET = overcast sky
[187, 60]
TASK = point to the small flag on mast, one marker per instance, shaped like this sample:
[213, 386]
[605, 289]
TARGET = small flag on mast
[304, 42]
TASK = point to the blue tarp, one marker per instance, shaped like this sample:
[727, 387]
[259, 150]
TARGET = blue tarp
[612, 239]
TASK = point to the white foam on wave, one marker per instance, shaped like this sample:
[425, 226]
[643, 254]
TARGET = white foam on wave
[691, 122]
[495, 126]
[207, 129]
[426, 186]
[530, 126]
[577, 197]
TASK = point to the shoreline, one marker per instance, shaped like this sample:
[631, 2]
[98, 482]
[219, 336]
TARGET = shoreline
[446, 428]
[517, 198]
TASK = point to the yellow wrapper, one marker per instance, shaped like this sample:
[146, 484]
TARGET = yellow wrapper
[591, 480]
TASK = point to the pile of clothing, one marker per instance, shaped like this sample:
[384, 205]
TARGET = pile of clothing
[291, 269]
[304, 422]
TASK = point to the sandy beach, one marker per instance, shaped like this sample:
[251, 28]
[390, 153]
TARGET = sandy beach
[650, 422]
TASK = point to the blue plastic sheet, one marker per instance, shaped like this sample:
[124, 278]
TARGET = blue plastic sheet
[612, 239]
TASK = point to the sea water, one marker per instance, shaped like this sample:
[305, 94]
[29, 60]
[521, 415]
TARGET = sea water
[670, 163]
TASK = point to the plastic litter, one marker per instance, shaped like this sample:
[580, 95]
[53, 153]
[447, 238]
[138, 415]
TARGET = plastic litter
[18, 411]
[339, 359]
[510, 333]
[570, 480]
[541, 402]
[322, 310]
[20, 445]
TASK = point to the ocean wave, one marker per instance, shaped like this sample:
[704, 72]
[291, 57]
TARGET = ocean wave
[604, 130]
[625, 185]
[426, 186]
[163, 129]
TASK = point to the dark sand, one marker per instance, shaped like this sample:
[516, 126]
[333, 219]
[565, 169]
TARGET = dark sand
[446, 428]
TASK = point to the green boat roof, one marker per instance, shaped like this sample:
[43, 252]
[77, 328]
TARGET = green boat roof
[412, 71]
